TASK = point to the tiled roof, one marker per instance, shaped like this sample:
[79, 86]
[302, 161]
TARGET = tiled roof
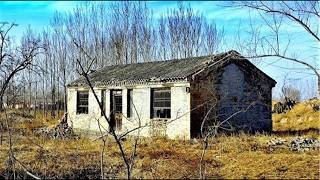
[157, 71]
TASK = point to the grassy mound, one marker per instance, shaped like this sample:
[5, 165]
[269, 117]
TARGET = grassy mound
[301, 117]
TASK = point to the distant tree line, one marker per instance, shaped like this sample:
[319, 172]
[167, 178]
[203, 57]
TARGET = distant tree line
[115, 33]
[34, 73]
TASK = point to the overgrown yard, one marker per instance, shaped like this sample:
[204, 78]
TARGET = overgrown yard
[233, 156]
[301, 117]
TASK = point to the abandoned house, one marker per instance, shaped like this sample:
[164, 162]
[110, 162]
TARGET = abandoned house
[173, 98]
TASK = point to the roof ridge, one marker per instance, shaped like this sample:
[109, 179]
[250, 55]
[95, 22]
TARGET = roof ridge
[169, 60]
[157, 71]
[234, 52]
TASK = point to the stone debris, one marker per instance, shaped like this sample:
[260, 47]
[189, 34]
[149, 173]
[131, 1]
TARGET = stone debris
[296, 144]
[277, 142]
[304, 144]
[60, 131]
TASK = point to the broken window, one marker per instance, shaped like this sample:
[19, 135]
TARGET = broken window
[82, 102]
[129, 103]
[161, 103]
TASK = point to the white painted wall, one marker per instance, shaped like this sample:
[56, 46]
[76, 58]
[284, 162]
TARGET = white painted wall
[177, 127]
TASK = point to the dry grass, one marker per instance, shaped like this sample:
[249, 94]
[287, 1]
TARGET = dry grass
[301, 117]
[32, 121]
[234, 156]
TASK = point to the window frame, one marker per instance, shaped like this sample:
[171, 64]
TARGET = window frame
[113, 105]
[164, 100]
[78, 111]
[129, 102]
[103, 101]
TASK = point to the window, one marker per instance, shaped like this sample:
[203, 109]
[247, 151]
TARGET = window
[117, 101]
[103, 97]
[161, 103]
[129, 103]
[82, 102]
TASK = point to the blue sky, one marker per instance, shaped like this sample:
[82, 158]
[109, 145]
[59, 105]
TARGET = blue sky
[38, 14]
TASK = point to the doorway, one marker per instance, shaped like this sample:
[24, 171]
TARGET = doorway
[116, 109]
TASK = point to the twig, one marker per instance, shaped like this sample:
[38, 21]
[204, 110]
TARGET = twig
[25, 169]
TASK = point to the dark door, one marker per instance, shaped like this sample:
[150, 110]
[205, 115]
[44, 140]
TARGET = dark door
[116, 109]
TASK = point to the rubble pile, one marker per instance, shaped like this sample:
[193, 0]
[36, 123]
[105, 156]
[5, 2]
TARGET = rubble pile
[296, 144]
[60, 131]
[304, 144]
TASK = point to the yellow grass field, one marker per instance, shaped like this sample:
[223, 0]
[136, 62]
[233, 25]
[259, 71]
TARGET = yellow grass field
[301, 117]
[233, 156]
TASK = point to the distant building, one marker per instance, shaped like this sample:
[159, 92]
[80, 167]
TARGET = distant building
[173, 97]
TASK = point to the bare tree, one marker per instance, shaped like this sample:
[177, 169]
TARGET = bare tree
[184, 33]
[131, 32]
[212, 38]
[292, 93]
[60, 51]
[304, 14]
[288, 91]
[163, 38]
[130, 35]
[128, 160]
[14, 60]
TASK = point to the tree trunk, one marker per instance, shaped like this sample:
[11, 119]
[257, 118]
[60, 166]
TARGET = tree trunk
[30, 100]
[24, 98]
[58, 97]
[65, 92]
[53, 102]
[35, 100]
[53, 94]
[43, 97]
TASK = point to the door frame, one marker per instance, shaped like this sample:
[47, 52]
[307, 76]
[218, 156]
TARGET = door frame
[116, 116]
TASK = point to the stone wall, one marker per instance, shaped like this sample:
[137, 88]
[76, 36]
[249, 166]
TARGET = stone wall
[251, 97]
[231, 89]
[176, 127]
[204, 98]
